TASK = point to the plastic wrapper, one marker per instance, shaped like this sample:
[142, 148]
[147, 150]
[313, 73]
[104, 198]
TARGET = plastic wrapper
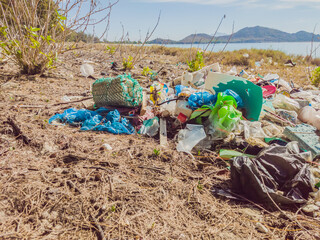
[283, 102]
[225, 116]
[291, 116]
[253, 130]
[284, 84]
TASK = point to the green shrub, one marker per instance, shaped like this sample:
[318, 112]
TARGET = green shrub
[127, 63]
[197, 63]
[34, 32]
[315, 78]
[146, 71]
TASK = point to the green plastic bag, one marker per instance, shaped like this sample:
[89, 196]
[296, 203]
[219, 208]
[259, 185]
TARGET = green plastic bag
[224, 116]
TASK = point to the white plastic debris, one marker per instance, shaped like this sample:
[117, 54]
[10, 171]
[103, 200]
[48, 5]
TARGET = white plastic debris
[189, 137]
[215, 67]
[107, 146]
[232, 71]
[283, 102]
[270, 76]
[86, 70]
[261, 228]
[310, 208]
[65, 99]
[188, 77]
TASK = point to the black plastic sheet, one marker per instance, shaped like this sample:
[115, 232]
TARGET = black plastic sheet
[278, 172]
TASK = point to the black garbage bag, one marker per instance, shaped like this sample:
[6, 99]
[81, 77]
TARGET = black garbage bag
[278, 172]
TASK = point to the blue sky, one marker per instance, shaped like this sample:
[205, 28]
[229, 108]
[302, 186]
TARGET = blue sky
[180, 18]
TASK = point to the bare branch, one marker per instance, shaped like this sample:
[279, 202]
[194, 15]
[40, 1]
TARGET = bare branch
[215, 33]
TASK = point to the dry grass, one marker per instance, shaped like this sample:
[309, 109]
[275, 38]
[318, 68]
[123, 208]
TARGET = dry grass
[64, 185]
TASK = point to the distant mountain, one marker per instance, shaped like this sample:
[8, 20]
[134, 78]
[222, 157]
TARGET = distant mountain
[249, 34]
[263, 34]
[162, 41]
[197, 38]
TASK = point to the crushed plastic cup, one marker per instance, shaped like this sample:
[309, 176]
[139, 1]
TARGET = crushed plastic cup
[190, 137]
[232, 71]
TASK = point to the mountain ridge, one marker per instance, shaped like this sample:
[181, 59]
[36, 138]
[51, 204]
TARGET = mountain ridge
[245, 35]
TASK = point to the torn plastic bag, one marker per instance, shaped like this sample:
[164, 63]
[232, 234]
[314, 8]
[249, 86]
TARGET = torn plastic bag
[279, 172]
[94, 120]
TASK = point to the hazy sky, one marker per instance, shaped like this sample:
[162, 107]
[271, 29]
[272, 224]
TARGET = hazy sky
[180, 18]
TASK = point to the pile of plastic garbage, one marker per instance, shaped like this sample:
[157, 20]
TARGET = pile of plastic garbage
[272, 120]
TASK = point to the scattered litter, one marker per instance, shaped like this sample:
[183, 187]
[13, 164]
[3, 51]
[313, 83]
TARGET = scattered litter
[283, 102]
[250, 93]
[258, 115]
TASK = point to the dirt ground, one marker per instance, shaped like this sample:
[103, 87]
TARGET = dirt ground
[57, 182]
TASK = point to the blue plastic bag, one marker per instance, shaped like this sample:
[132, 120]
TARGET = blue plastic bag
[236, 96]
[178, 89]
[197, 100]
[95, 120]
